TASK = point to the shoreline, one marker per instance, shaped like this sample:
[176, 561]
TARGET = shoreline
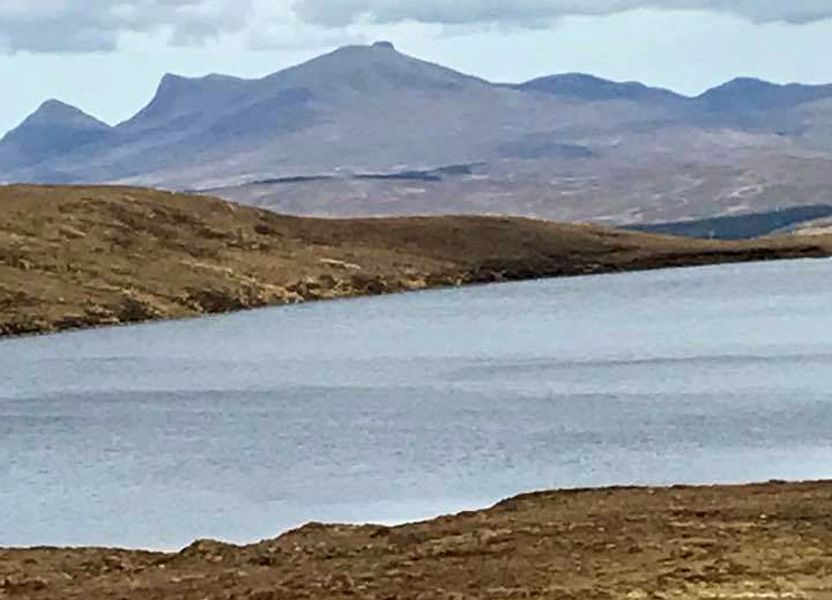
[76, 258]
[363, 296]
[466, 508]
[681, 541]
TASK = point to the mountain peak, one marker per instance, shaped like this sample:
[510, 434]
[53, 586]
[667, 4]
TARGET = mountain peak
[173, 80]
[378, 50]
[748, 93]
[371, 69]
[589, 87]
[743, 84]
[177, 95]
[53, 104]
[55, 128]
[172, 84]
[54, 112]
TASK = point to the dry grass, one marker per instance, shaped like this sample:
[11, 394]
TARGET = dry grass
[85, 256]
[768, 541]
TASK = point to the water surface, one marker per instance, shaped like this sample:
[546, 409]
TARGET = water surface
[403, 407]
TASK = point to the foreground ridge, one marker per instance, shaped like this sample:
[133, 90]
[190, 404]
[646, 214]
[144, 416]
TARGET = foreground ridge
[759, 541]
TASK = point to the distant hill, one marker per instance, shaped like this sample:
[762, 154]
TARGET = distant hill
[342, 127]
[742, 227]
[748, 94]
[591, 88]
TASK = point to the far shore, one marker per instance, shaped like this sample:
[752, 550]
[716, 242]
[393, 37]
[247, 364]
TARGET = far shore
[76, 257]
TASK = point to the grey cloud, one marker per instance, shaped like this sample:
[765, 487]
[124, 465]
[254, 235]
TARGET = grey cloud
[95, 25]
[51, 36]
[334, 13]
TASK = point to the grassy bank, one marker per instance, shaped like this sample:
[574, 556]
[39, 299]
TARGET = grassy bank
[758, 541]
[73, 257]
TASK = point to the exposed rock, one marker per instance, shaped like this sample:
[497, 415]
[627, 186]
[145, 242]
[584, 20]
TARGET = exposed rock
[339, 264]
[134, 310]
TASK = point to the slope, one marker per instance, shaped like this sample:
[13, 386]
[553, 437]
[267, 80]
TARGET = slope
[755, 541]
[77, 257]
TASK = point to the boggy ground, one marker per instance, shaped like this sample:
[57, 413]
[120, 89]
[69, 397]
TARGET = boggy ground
[74, 257]
[761, 541]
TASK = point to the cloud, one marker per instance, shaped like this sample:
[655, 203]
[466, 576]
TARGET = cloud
[96, 25]
[335, 13]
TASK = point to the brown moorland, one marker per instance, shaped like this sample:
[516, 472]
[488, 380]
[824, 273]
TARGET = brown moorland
[74, 257]
[770, 541]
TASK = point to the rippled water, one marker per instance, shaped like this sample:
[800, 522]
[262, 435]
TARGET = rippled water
[404, 407]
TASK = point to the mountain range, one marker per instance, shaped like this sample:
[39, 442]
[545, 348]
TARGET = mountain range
[369, 130]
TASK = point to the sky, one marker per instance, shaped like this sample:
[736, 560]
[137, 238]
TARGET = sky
[107, 56]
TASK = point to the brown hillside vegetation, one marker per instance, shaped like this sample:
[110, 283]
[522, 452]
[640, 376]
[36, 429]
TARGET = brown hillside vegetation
[771, 541]
[84, 256]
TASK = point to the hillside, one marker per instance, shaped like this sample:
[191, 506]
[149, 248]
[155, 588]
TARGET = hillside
[82, 256]
[567, 147]
[627, 188]
[747, 226]
[760, 541]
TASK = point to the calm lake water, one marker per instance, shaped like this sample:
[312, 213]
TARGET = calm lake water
[405, 407]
